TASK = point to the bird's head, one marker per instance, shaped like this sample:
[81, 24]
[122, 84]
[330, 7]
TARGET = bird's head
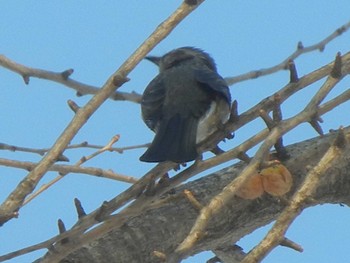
[182, 55]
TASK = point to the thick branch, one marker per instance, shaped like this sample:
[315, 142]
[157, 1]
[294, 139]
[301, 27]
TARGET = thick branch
[219, 201]
[163, 227]
[143, 202]
[306, 192]
[27, 185]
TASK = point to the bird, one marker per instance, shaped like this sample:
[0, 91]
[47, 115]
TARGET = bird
[186, 102]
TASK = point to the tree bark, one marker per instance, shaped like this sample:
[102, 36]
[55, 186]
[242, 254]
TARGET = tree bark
[163, 228]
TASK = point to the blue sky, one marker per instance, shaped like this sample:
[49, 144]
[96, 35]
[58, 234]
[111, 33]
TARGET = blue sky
[95, 39]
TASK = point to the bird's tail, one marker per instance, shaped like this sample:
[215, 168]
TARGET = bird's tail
[174, 141]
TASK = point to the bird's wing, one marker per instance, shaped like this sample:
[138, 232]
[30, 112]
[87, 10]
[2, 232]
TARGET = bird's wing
[152, 102]
[213, 81]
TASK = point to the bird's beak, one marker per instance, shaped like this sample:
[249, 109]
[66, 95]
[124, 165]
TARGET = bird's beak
[153, 59]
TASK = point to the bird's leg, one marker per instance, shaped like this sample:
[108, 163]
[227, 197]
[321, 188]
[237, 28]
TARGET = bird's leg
[228, 134]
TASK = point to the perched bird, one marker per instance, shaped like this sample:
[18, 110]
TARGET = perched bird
[185, 103]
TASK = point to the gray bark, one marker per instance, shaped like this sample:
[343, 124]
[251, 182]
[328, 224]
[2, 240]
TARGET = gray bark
[162, 229]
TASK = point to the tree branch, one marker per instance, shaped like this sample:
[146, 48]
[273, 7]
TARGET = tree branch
[276, 234]
[84, 89]
[65, 169]
[284, 64]
[219, 201]
[172, 216]
[27, 185]
[144, 203]
[62, 78]
[42, 151]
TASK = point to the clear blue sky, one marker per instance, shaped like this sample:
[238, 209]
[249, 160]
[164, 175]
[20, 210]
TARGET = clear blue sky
[94, 38]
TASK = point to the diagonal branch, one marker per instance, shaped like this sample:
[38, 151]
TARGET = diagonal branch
[229, 226]
[218, 202]
[42, 151]
[62, 78]
[284, 64]
[82, 160]
[139, 206]
[27, 185]
[64, 169]
[276, 234]
[84, 89]
[142, 203]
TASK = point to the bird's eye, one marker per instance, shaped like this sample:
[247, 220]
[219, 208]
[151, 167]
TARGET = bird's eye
[171, 63]
[174, 59]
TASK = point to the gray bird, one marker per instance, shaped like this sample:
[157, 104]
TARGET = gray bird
[185, 103]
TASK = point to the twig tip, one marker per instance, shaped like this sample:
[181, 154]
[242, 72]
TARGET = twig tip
[73, 106]
[26, 79]
[293, 72]
[336, 71]
[66, 74]
[79, 208]
[119, 80]
[191, 2]
[300, 45]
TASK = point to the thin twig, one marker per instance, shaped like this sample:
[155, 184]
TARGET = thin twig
[81, 88]
[215, 205]
[42, 151]
[79, 163]
[268, 103]
[125, 197]
[276, 234]
[161, 32]
[284, 64]
[122, 200]
[139, 206]
[14, 201]
[116, 220]
[84, 89]
[65, 169]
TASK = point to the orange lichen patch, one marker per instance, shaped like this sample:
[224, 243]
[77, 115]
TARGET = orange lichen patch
[252, 189]
[276, 180]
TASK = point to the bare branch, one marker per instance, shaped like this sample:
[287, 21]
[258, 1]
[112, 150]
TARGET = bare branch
[276, 234]
[229, 226]
[63, 78]
[142, 204]
[62, 229]
[78, 206]
[65, 169]
[216, 204]
[79, 163]
[269, 102]
[284, 64]
[293, 72]
[291, 244]
[73, 106]
[135, 195]
[27, 185]
[14, 148]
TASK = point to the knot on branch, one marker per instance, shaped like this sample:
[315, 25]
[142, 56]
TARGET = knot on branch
[66, 74]
[119, 80]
